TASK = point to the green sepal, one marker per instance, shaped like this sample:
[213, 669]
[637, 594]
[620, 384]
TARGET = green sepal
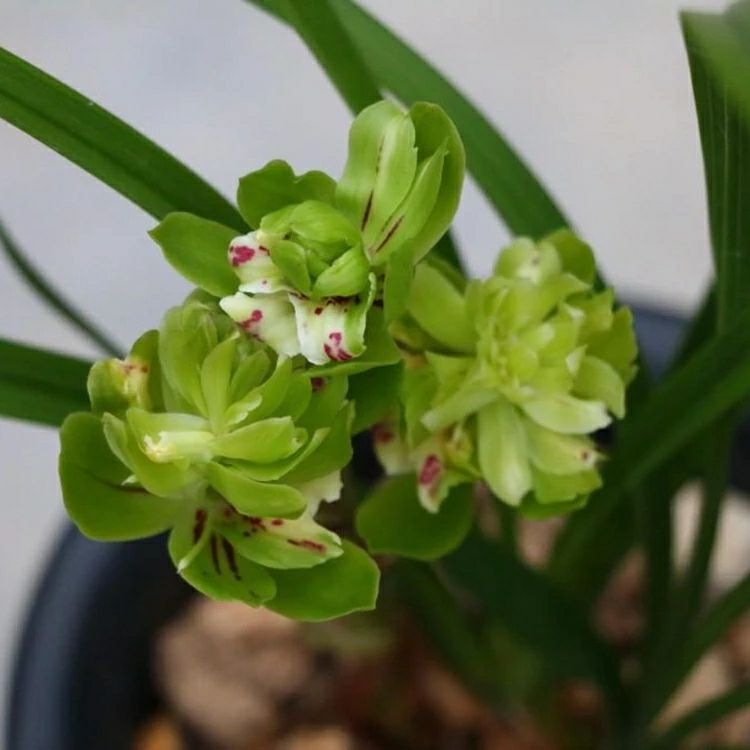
[165, 480]
[577, 257]
[392, 521]
[263, 401]
[280, 543]
[551, 490]
[373, 182]
[337, 588]
[412, 214]
[346, 276]
[617, 346]
[266, 441]
[441, 310]
[275, 186]
[503, 457]
[188, 334]
[436, 131]
[197, 249]
[215, 569]
[398, 277]
[599, 381]
[291, 260]
[333, 453]
[114, 385]
[255, 498]
[101, 506]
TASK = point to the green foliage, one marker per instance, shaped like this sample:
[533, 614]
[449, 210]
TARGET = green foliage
[392, 522]
[39, 385]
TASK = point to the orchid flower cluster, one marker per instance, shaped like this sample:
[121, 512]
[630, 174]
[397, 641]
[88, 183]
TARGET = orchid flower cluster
[327, 315]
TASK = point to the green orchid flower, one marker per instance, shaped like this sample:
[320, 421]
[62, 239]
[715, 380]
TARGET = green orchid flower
[306, 279]
[508, 378]
[209, 433]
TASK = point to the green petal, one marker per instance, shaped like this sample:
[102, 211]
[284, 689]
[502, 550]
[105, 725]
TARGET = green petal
[255, 498]
[280, 469]
[348, 275]
[556, 454]
[291, 259]
[503, 457]
[197, 248]
[337, 588]
[248, 375]
[441, 310]
[464, 402]
[275, 186]
[267, 318]
[567, 414]
[550, 489]
[282, 543]
[217, 570]
[96, 499]
[324, 228]
[412, 214]
[332, 454]
[333, 329]
[374, 182]
[392, 521]
[435, 132]
[166, 438]
[264, 400]
[577, 257]
[187, 335]
[114, 384]
[599, 381]
[397, 284]
[216, 373]
[617, 346]
[269, 440]
[164, 480]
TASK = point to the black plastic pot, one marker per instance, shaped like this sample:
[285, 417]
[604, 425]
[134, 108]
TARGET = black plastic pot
[81, 679]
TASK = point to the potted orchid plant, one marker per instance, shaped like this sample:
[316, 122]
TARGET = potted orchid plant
[326, 309]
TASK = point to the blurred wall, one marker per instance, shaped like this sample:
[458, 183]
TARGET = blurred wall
[594, 93]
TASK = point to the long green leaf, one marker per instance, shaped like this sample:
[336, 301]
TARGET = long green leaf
[51, 296]
[39, 385]
[715, 379]
[103, 145]
[517, 195]
[701, 638]
[704, 715]
[535, 611]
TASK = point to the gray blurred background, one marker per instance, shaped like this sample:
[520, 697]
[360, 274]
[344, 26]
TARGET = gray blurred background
[594, 93]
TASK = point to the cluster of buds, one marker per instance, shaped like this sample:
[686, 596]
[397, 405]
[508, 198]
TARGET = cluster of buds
[507, 378]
